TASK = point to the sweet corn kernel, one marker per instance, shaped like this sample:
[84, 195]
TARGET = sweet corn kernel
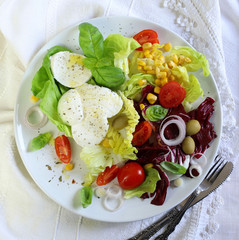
[148, 165]
[162, 59]
[171, 64]
[141, 63]
[156, 53]
[164, 81]
[147, 68]
[141, 54]
[157, 82]
[162, 75]
[146, 46]
[175, 58]
[181, 59]
[140, 68]
[167, 46]
[69, 166]
[157, 89]
[171, 77]
[142, 82]
[106, 143]
[142, 106]
[146, 52]
[151, 71]
[34, 99]
[158, 62]
[156, 46]
[149, 56]
[151, 98]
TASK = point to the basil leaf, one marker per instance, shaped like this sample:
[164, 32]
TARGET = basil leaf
[40, 141]
[91, 41]
[90, 62]
[173, 167]
[156, 113]
[109, 76]
[86, 195]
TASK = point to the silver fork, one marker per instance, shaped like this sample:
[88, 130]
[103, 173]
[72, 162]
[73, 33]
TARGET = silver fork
[206, 183]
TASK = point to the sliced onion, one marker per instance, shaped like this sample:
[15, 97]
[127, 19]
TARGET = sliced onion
[197, 168]
[179, 138]
[113, 198]
[41, 118]
[200, 161]
[172, 116]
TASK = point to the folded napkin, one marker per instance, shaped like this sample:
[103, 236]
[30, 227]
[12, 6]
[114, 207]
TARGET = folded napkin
[25, 211]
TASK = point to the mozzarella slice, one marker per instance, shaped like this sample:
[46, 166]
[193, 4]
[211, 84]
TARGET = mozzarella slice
[92, 129]
[101, 97]
[69, 70]
[70, 107]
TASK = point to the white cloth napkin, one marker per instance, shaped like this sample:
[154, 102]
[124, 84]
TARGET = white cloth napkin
[25, 211]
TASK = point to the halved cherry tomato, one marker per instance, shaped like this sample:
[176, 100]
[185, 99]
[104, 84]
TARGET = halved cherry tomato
[108, 175]
[142, 133]
[131, 175]
[171, 94]
[145, 36]
[63, 148]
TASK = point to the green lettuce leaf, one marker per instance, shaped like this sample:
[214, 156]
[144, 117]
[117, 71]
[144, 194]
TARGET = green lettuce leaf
[50, 91]
[174, 168]
[198, 60]
[86, 195]
[132, 89]
[119, 48]
[149, 184]
[40, 141]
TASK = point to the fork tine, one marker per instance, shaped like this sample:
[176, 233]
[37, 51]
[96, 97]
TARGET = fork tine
[213, 172]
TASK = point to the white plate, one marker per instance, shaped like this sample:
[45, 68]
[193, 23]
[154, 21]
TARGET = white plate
[42, 164]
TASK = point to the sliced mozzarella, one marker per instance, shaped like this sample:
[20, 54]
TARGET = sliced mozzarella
[70, 107]
[69, 70]
[92, 129]
[93, 95]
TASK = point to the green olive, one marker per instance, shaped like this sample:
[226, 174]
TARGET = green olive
[188, 145]
[192, 127]
[120, 122]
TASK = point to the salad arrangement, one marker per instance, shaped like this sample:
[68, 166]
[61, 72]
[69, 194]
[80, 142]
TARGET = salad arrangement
[128, 103]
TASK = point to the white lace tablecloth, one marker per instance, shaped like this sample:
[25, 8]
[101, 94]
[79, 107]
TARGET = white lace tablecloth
[25, 26]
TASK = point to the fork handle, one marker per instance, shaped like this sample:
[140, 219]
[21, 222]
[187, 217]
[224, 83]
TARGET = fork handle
[171, 227]
[148, 232]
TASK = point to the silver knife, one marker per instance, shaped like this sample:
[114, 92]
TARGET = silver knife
[155, 227]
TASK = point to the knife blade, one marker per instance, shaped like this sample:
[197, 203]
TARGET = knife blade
[155, 227]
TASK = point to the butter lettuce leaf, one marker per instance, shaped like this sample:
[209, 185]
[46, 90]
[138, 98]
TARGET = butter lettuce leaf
[149, 184]
[120, 141]
[198, 60]
[119, 48]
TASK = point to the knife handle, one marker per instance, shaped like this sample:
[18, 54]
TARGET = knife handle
[148, 232]
[171, 227]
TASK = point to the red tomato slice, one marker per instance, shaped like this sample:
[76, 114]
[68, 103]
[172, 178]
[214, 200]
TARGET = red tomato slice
[145, 36]
[171, 94]
[142, 133]
[108, 175]
[63, 148]
[131, 175]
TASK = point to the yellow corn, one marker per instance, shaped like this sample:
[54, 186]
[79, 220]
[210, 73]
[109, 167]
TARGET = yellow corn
[171, 77]
[151, 71]
[141, 63]
[171, 64]
[146, 46]
[157, 89]
[175, 58]
[156, 46]
[146, 52]
[141, 54]
[140, 68]
[147, 68]
[106, 143]
[181, 59]
[142, 82]
[151, 98]
[158, 62]
[148, 165]
[162, 75]
[69, 166]
[156, 53]
[142, 106]
[157, 82]
[34, 99]
[188, 60]
[164, 81]
[167, 46]
[149, 56]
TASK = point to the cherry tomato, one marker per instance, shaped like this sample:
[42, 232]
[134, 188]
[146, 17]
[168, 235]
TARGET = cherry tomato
[108, 175]
[142, 133]
[131, 175]
[145, 36]
[171, 94]
[63, 148]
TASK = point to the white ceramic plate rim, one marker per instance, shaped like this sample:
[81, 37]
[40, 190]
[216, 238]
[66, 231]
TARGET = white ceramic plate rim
[133, 209]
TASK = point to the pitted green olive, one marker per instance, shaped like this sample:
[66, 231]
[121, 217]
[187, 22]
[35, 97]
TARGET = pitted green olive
[188, 145]
[192, 127]
[120, 122]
